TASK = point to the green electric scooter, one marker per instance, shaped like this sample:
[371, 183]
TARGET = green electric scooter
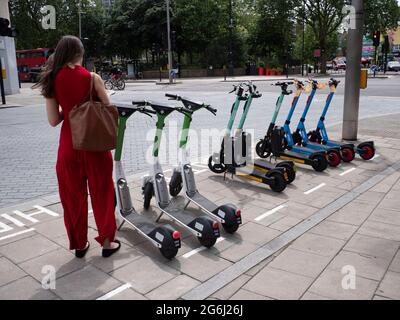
[183, 176]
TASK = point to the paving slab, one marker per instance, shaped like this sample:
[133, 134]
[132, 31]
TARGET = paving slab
[395, 265]
[329, 284]
[25, 288]
[9, 272]
[300, 262]
[366, 266]
[85, 284]
[335, 230]
[173, 289]
[243, 294]
[380, 230]
[140, 274]
[229, 290]
[63, 261]
[278, 284]
[321, 245]
[28, 248]
[390, 286]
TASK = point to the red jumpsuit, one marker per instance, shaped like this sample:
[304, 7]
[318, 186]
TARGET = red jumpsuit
[76, 170]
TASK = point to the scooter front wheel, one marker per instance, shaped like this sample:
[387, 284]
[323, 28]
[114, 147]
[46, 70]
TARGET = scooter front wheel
[176, 184]
[214, 167]
[261, 149]
[291, 172]
[148, 192]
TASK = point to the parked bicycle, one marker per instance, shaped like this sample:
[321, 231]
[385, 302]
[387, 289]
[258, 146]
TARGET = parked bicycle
[115, 81]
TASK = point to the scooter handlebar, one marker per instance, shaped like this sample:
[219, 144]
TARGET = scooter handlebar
[172, 96]
[212, 110]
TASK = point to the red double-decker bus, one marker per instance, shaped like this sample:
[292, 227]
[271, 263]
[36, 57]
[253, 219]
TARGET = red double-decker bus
[30, 62]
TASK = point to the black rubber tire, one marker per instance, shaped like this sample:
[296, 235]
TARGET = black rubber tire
[148, 192]
[334, 158]
[169, 253]
[279, 184]
[216, 168]
[230, 228]
[370, 152]
[321, 164]
[260, 152]
[108, 85]
[347, 154]
[120, 84]
[291, 172]
[207, 242]
[176, 184]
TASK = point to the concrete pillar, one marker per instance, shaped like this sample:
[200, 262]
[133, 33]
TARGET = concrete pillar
[353, 74]
[8, 55]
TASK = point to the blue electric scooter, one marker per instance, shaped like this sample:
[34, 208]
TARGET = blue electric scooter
[366, 150]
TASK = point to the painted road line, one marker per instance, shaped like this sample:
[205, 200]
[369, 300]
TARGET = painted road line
[200, 165]
[268, 213]
[4, 227]
[187, 255]
[16, 234]
[45, 210]
[25, 216]
[115, 292]
[200, 171]
[315, 189]
[347, 172]
[13, 220]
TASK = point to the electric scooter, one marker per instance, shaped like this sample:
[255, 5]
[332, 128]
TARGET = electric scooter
[299, 137]
[287, 167]
[230, 161]
[228, 215]
[366, 150]
[275, 141]
[205, 229]
[165, 237]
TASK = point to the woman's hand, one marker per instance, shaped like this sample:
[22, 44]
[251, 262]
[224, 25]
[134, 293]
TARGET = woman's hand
[101, 90]
[54, 112]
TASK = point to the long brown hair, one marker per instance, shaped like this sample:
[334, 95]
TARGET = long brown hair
[69, 49]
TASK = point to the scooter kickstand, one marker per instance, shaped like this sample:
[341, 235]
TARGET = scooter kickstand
[187, 205]
[121, 225]
[159, 217]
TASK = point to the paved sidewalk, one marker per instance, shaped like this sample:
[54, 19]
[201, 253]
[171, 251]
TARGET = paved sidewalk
[291, 246]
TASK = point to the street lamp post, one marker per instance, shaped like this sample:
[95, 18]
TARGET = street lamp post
[169, 44]
[353, 74]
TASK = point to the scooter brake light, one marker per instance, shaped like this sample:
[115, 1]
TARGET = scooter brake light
[176, 235]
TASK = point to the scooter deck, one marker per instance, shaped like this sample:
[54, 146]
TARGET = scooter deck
[140, 222]
[203, 202]
[264, 164]
[253, 174]
[183, 216]
[320, 147]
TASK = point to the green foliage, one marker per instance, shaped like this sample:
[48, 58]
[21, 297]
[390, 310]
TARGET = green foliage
[381, 15]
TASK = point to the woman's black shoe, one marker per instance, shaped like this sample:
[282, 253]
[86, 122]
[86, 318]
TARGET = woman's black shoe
[81, 253]
[109, 252]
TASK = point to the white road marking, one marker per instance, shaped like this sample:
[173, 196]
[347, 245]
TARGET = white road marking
[115, 292]
[270, 212]
[347, 172]
[200, 165]
[25, 216]
[4, 227]
[315, 189]
[16, 234]
[376, 156]
[201, 171]
[200, 249]
[13, 220]
[45, 210]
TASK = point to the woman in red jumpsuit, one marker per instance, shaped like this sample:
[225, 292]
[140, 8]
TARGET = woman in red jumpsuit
[65, 83]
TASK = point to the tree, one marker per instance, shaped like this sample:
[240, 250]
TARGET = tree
[324, 17]
[381, 15]
[274, 30]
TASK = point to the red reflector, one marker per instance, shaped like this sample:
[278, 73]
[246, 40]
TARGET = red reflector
[176, 235]
[215, 225]
[238, 213]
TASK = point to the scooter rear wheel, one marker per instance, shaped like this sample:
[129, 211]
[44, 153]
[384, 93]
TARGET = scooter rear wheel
[347, 154]
[176, 184]
[320, 162]
[334, 158]
[369, 152]
[261, 150]
[230, 228]
[279, 183]
[214, 167]
[291, 172]
[148, 192]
